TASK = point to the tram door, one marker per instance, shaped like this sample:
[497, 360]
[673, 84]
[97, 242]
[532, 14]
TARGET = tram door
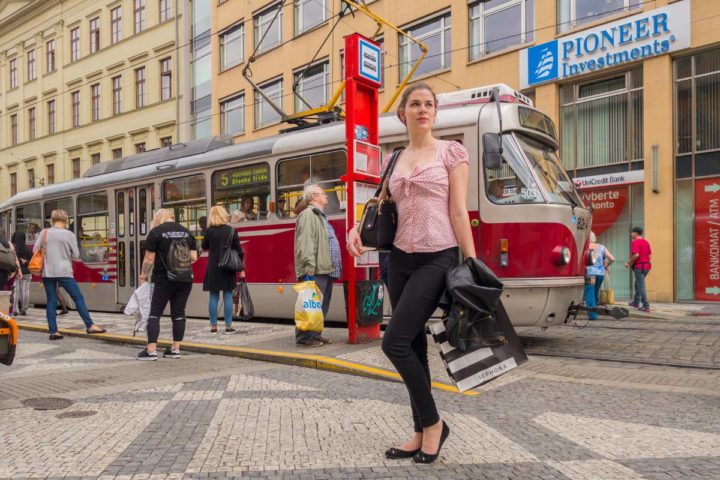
[134, 208]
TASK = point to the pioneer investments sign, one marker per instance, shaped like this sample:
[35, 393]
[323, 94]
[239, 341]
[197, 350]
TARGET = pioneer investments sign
[631, 39]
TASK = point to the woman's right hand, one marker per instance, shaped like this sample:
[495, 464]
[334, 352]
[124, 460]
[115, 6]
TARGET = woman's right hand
[354, 244]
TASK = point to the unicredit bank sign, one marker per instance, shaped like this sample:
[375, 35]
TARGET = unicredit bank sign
[631, 39]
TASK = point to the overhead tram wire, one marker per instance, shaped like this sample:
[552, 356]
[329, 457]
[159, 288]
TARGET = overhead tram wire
[189, 43]
[337, 81]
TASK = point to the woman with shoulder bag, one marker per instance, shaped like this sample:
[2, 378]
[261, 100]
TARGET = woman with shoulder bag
[22, 284]
[429, 186]
[218, 277]
[61, 247]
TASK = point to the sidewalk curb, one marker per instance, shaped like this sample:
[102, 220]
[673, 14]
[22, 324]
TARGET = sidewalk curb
[318, 362]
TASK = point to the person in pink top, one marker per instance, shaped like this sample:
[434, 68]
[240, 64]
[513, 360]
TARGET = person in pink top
[640, 263]
[429, 186]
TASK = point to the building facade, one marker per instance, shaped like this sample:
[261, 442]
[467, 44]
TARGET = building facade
[83, 82]
[634, 88]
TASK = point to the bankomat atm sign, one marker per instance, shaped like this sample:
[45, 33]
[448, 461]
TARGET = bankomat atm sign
[630, 39]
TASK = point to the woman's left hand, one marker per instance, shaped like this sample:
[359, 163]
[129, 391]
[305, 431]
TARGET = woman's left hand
[242, 274]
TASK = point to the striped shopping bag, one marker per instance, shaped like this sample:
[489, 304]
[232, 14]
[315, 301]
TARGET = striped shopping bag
[472, 368]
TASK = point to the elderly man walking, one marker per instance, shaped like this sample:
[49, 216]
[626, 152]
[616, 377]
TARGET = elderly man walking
[317, 255]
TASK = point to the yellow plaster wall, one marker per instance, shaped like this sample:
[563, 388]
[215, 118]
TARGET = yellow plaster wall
[134, 125]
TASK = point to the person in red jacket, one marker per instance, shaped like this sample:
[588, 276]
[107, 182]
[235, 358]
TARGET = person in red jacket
[641, 254]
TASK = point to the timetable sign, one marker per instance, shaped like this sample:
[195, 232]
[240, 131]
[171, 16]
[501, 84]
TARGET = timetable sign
[369, 60]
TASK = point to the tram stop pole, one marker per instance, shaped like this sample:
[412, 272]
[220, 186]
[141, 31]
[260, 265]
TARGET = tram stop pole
[362, 80]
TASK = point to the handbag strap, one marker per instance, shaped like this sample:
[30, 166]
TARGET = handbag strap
[43, 239]
[388, 171]
[229, 242]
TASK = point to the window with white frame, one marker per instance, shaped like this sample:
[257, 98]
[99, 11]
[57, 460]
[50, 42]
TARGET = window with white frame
[94, 34]
[75, 44]
[232, 115]
[313, 88]
[266, 21]
[13, 73]
[50, 55]
[572, 13]
[265, 114]
[116, 24]
[499, 24]
[165, 10]
[309, 13]
[232, 46]
[140, 19]
[75, 97]
[32, 71]
[435, 34]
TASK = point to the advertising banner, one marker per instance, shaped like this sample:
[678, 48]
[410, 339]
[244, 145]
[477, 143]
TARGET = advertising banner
[707, 239]
[607, 205]
[630, 39]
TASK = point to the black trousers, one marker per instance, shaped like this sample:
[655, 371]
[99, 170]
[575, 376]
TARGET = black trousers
[416, 283]
[177, 294]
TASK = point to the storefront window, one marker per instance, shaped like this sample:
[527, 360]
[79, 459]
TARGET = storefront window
[697, 175]
[615, 211]
[602, 122]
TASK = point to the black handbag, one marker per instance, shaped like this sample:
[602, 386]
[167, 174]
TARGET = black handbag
[378, 223]
[472, 321]
[230, 260]
[247, 310]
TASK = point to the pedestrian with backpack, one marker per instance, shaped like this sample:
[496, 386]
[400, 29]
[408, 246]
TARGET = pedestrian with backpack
[170, 252]
[218, 239]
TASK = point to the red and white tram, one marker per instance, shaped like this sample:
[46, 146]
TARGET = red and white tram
[528, 220]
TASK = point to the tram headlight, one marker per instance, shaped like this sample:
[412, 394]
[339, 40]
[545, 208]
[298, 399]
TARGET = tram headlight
[561, 256]
[591, 257]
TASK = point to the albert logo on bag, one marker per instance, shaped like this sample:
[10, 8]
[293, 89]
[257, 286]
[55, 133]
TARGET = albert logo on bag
[313, 303]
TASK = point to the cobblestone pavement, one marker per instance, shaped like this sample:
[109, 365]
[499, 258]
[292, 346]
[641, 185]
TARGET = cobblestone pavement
[207, 416]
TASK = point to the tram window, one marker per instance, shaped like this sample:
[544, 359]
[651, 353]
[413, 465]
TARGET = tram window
[243, 191]
[66, 204]
[186, 197]
[92, 230]
[324, 169]
[514, 182]
[120, 208]
[142, 210]
[28, 221]
[3, 222]
[131, 213]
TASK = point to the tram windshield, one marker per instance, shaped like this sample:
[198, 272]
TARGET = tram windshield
[557, 185]
[531, 173]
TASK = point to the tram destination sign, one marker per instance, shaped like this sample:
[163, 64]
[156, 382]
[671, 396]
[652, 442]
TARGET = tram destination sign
[241, 177]
[630, 39]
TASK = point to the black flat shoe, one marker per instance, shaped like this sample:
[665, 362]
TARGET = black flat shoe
[90, 332]
[397, 453]
[56, 336]
[422, 457]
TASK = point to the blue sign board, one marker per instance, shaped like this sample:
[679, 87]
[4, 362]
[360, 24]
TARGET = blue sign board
[647, 34]
[369, 60]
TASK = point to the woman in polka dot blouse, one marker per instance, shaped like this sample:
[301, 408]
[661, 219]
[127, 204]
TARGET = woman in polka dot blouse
[429, 186]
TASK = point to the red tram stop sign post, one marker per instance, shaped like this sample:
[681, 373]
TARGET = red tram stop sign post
[362, 79]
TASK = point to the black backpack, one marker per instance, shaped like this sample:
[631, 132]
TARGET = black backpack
[179, 262]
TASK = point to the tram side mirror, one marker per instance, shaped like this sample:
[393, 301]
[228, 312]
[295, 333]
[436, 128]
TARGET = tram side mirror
[492, 151]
